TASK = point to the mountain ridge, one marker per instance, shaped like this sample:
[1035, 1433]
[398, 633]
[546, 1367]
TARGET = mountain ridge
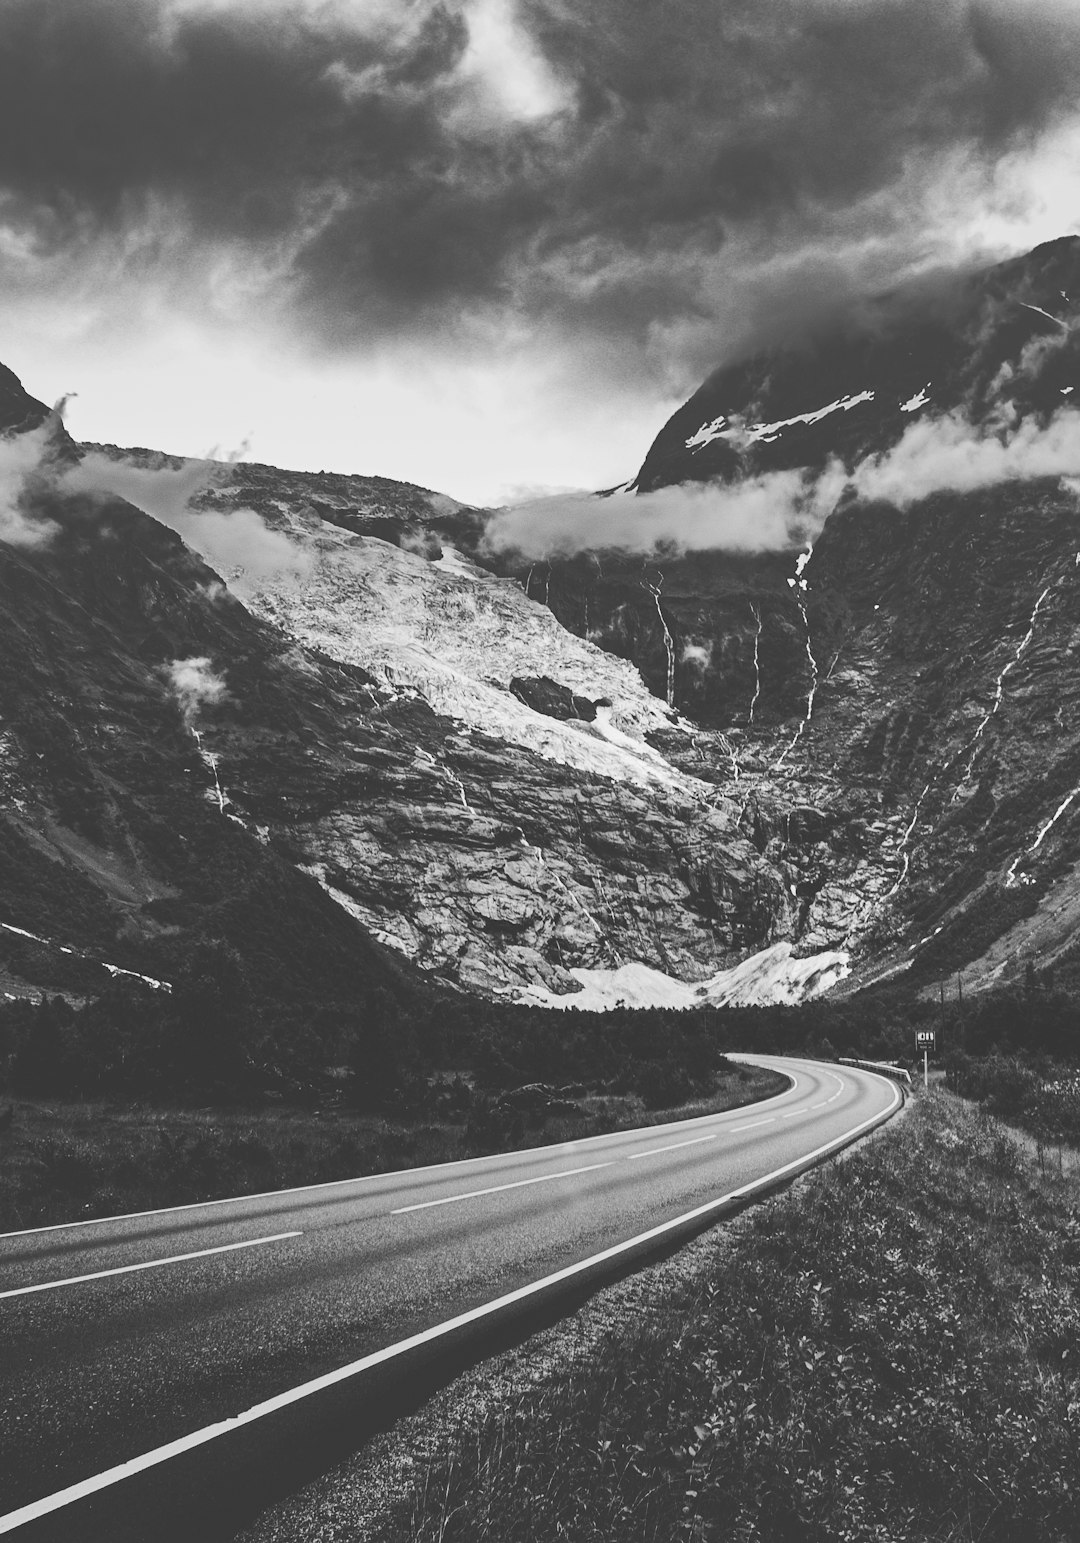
[528, 777]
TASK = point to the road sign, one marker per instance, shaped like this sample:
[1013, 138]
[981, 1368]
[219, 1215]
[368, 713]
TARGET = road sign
[925, 1040]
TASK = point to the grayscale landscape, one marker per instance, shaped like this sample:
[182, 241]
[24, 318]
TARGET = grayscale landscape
[539, 771]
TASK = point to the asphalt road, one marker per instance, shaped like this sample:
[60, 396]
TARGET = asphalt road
[123, 1336]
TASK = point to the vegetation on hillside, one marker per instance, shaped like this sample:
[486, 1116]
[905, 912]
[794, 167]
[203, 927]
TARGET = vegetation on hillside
[234, 1030]
[220, 1034]
[72, 1159]
[1037, 1094]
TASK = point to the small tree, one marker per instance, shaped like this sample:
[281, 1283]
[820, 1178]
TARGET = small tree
[383, 1058]
[208, 1027]
[42, 1063]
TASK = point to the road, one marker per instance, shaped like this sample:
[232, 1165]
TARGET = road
[313, 1314]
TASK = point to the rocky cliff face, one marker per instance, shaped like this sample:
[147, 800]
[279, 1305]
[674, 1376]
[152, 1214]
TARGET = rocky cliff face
[997, 342]
[340, 754]
[897, 697]
[598, 775]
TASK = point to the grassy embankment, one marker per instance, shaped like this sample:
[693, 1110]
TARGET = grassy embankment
[1041, 1096]
[62, 1160]
[891, 1351]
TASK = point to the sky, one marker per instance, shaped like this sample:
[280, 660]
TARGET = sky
[489, 245]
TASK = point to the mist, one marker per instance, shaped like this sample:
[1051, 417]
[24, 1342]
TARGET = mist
[26, 462]
[948, 454]
[195, 685]
[780, 511]
[238, 543]
[767, 513]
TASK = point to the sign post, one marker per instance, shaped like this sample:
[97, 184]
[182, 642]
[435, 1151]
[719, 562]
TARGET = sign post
[925, 1040]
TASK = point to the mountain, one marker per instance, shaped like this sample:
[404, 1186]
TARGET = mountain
[908, 677]
[320, 716]
[996, 345]
[331, 763]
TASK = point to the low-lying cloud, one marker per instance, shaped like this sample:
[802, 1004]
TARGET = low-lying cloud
[236, 542]
[698, 655]
[27, 464]
[766, 513]
[948, 454]
[781, 510]
[34, 478]
[196, 685]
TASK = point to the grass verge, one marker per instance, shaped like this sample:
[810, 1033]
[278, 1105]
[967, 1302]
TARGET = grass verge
[891, 1351]
[72, 1160]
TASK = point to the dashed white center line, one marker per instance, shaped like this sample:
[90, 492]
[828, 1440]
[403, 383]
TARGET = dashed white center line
[474, 1194]
[792, 1113]
[754, 1123]
[675, 1145]
[148, 1264]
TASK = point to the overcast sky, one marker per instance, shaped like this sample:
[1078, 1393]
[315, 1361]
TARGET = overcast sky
[489, 245]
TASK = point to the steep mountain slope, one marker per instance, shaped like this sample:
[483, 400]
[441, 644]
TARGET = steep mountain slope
[177, 765]
[118, 850]
[910, 678]
[1000, 342]
[598, 776]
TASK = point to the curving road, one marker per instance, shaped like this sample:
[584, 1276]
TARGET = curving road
[163, 1374]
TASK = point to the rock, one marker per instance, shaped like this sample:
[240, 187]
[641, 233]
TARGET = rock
[547, 696]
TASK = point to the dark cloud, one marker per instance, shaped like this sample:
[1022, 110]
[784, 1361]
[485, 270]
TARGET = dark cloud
[709, 172]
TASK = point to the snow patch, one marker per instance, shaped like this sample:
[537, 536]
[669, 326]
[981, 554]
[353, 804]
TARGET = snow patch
[62, 948]
[453, 561]
[913, 403]
[458, 637]
[769, 978]
[1011, 878]
[999, 688]
[1049, 316]
[741, 434]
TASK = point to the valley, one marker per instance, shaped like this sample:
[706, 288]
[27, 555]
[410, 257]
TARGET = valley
[342, 837]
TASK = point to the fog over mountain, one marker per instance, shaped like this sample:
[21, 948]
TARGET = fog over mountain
[770, 276]
[794, 708]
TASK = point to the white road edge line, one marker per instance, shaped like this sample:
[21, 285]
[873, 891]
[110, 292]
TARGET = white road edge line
[100, 1481]
[398, 1173]
[148, 1264]
[497, 1189]
[635, 1157]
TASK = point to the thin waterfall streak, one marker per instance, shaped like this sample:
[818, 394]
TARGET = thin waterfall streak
[757, 662]
[209, 759]
[776, 765]
[1044, 830]
[669, 641]
[800, 586]
[903, 849]
[999, 689]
